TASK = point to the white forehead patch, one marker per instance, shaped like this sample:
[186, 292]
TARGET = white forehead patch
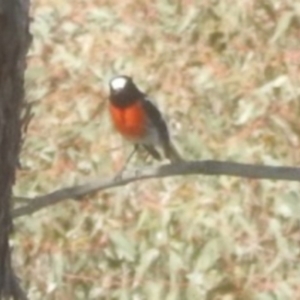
[118, 83]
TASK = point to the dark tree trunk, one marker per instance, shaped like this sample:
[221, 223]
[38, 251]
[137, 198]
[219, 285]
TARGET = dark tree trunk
[14, 41]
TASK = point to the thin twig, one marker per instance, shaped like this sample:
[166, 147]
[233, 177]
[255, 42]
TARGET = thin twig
[208, 167]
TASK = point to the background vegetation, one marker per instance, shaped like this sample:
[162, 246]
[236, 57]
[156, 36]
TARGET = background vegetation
[226, 74]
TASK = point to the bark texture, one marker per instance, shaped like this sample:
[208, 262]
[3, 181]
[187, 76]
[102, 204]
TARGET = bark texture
[14, 42]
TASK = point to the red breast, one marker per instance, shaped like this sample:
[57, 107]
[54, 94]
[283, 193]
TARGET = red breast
[130, 121]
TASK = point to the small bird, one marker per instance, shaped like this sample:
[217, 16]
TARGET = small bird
[138, 120]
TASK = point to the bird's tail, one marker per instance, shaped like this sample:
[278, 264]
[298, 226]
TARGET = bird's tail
[152, 151]
[172, 153]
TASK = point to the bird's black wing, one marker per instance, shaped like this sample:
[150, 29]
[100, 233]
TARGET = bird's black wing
[157, 120]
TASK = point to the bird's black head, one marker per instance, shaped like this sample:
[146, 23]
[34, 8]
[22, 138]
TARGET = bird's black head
[123, 91]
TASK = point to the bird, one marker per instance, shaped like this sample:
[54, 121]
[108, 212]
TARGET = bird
[138, 119]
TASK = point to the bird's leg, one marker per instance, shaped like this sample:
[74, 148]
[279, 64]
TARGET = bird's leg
[119, 174]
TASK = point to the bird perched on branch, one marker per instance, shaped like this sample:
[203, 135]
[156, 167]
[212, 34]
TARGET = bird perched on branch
[138, 120]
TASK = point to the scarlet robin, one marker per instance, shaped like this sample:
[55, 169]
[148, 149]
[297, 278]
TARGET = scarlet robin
[138, 120]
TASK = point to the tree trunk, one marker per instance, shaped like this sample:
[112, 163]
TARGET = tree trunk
[14, 41]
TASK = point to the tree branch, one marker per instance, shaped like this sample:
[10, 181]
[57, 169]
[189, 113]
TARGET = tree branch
[208, 167]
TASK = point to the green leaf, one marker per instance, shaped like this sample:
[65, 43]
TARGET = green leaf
[209, 254]
[282, 26]
[147, 259]
[124, 247]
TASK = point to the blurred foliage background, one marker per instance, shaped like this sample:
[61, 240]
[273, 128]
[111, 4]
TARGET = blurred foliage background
[226, 74]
